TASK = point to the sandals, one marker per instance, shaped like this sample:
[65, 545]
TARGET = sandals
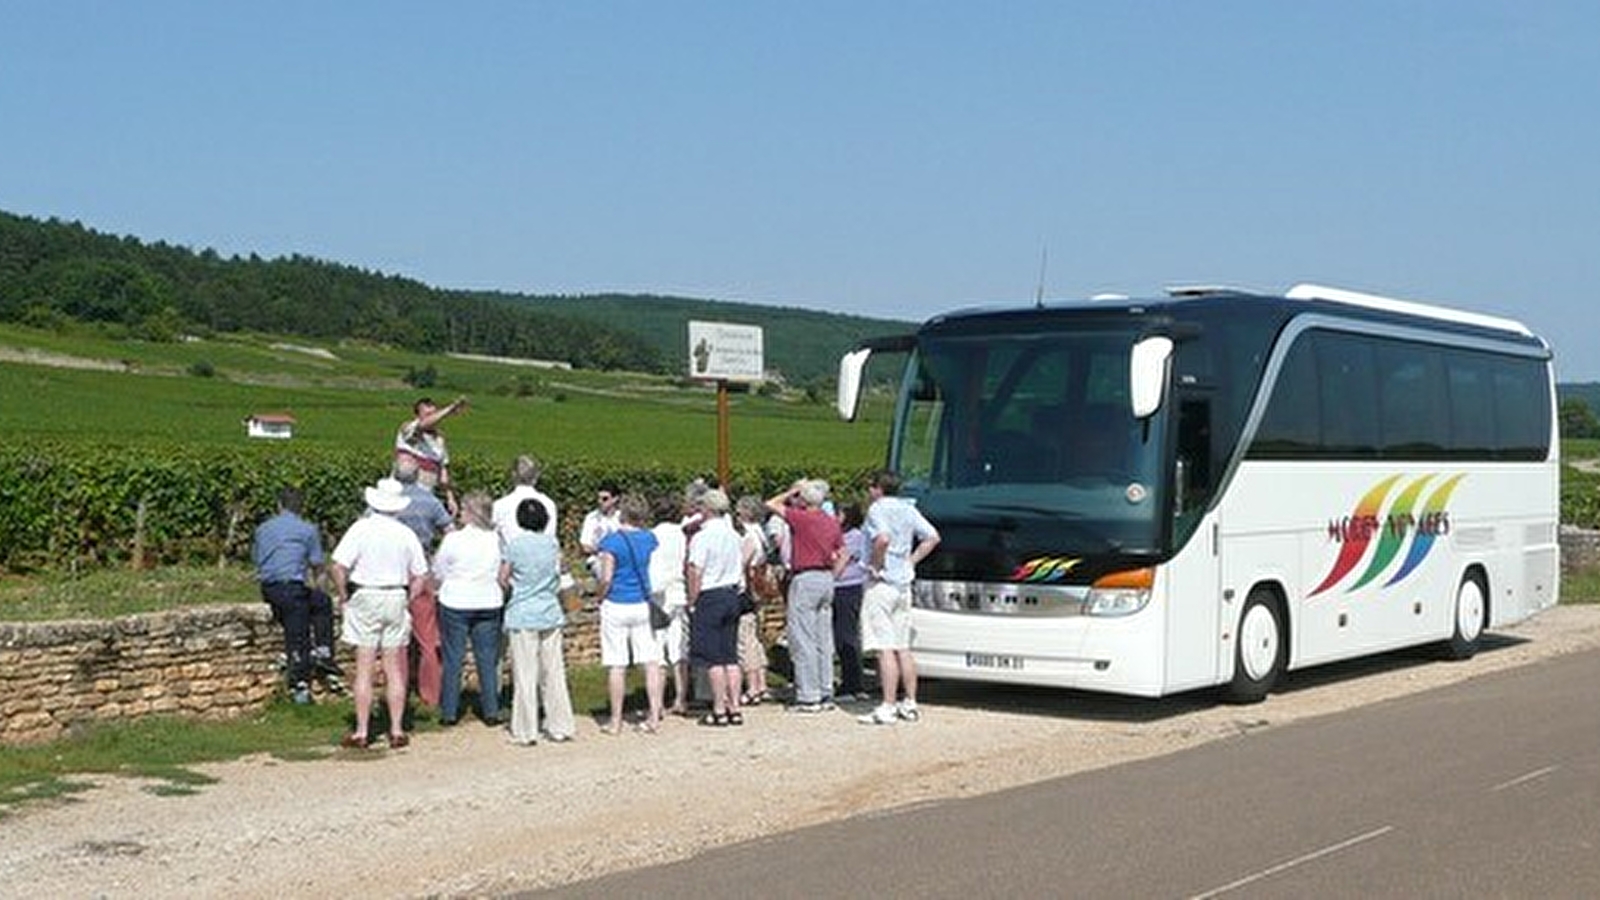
[717, 720]
[754, 699]
[355, 742]
[735, 718]
[399, 741]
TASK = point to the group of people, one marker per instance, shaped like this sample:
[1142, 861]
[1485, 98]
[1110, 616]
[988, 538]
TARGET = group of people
[421, 579]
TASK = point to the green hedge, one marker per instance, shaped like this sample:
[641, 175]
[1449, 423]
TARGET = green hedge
[71, 505]
[1580, 498]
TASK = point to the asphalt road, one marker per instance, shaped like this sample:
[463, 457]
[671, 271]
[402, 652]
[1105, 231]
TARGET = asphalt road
[1487, 788]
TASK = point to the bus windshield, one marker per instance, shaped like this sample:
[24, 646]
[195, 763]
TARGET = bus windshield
[1033, 434]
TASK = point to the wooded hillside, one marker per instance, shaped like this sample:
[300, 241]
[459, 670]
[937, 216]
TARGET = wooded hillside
[52, 272]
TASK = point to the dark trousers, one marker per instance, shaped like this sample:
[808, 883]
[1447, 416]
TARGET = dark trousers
[847, 637]
[480, 628]
[307, 619]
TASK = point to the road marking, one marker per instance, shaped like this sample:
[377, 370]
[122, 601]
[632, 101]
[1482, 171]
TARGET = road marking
[1536, 773]
[1284, 866]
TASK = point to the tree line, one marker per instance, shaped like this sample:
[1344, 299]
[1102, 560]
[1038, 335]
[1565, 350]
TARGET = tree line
[53, 272]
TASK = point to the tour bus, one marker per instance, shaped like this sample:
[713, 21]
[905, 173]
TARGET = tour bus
[1215, 487]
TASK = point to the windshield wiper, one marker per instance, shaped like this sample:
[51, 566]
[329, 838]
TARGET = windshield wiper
[1052, 511]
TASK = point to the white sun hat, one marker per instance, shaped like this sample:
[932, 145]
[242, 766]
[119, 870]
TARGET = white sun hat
[387, 497]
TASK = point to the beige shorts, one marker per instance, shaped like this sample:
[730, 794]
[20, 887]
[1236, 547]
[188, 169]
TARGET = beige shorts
[886, 617]
[377, 617]
[626, 635]
[752, 653]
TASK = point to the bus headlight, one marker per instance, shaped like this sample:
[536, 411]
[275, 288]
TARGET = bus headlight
[1120, 593]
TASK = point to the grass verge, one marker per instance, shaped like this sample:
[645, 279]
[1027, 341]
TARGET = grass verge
[162, 749]
[1580, 587]
[109, 593]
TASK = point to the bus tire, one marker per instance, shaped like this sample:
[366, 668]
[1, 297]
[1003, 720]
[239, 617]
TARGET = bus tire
[1260, 652]
[1471, 611]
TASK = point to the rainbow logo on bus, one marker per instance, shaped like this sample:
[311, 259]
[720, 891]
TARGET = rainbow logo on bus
[1045, 569]
[1410, 523]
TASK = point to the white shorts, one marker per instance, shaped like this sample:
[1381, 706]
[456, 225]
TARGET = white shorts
[378, 618]
[886, 617]
[626, 636]
[675, 639]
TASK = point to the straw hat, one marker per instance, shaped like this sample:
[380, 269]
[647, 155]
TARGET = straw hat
[388, 497]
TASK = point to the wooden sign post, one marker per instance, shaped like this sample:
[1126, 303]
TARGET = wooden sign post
[725, 352]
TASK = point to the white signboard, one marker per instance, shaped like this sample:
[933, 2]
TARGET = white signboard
[724, 352]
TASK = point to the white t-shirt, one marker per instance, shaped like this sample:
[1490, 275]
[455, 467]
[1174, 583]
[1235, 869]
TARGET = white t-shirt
[505, 512]
[596, 525]
[904, 525]
[379, 551]
[666, 563]
[468, 569]
[718, 553]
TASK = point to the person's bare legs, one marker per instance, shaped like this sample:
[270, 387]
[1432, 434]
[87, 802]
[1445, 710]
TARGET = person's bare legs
[616, 686]
[366, 664]
[889, 674]
[680, 687]
[718, 676]
[735, 685]
[394, 687]
[654, 687]
[908, 674]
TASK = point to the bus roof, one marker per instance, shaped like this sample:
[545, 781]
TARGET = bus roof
[1302, 298]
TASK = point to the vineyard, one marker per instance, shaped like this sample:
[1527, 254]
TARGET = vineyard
[81, 505]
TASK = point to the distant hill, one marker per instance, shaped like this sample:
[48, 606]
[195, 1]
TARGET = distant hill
[54, 272]
[804, 345]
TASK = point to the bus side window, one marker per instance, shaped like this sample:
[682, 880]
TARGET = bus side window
[1194, 449]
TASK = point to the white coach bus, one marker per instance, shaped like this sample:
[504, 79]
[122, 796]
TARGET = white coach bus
[1215, 487]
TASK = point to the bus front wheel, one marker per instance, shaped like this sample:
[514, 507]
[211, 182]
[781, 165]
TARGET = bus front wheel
[1471, 604]
[1260, 650]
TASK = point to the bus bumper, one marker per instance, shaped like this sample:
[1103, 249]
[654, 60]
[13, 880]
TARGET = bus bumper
[1116, 655]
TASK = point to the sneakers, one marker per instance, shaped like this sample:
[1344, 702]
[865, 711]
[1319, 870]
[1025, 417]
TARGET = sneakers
[300, 695]
[907, 709]
[883, 715]
[813, 708]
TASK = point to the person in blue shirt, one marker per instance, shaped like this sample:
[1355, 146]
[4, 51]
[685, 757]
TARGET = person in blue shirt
[531, 573]
[287, 552]
[625, 631]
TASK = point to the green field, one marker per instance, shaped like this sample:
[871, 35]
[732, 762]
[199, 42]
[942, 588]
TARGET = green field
[358, 400]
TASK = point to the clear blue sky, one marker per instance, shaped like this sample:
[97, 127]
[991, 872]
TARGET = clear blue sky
[888, 159]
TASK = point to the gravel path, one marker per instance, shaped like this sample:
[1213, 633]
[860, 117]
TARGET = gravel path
[464, 813]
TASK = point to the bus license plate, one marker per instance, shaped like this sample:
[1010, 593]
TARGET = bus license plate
[994, 661]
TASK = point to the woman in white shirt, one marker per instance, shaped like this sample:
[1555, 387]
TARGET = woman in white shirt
[467, 569]
[667, 588]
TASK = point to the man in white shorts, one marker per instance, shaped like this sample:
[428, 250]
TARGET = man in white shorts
[900, 538]
[378, 567]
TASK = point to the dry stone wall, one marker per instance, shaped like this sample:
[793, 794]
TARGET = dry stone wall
[1580, 549]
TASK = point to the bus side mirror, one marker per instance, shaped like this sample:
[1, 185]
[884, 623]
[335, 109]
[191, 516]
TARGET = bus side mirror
[1147, 375]
[851, 366]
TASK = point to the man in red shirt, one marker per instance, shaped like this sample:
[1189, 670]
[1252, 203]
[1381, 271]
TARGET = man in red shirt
[816, 554]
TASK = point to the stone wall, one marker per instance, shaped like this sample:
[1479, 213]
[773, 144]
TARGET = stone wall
[1580, 549]
[216, 661]
[210, 662]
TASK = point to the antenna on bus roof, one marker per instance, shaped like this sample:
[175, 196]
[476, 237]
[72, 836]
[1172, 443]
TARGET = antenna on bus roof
[1038, 294]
